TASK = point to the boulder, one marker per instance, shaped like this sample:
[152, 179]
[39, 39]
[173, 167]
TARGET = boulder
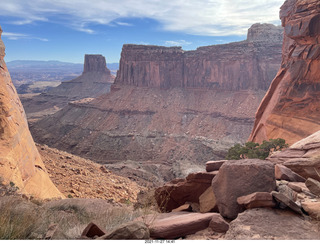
[207, 201]
[214, 165]
[177, 192]
[286, 202]
[314, 186]
[257, 200]
[218, 224]
[312, 208]
[284, 173]
[238, 178]
[271, 224]
[134, 230]
[175, 225]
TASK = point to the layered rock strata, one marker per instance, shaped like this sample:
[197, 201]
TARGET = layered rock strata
[160, 120]
[20, 162]
[249, 64]
[95, 80]
[290, 109]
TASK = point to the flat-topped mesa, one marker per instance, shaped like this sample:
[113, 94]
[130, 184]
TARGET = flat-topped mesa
[95, 63]
[246, 65]
[20, 161]
[290, 109]
[263, 32]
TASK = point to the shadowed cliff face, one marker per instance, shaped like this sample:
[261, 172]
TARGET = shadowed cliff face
[250, 64]
[160, 121]
[20, 161]
[291, 107]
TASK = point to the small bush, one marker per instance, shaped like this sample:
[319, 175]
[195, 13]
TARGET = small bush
[254, 150]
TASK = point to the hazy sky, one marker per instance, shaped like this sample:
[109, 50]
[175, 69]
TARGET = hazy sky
[65, 30]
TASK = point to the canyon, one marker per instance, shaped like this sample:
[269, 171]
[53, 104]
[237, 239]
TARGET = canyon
[290, 109]
[169, 110]
[95, 80]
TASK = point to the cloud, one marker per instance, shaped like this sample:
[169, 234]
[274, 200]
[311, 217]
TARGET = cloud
[18, 36]
[177, 43]
[201, 17]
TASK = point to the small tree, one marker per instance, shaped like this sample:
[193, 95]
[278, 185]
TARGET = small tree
[254, 150]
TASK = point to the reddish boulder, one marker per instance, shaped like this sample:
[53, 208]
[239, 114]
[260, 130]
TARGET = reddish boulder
[175, 225]
[214, 165]
[284, 173]
[177, 192]
[237, 178]
[313, 186]
[207, 201]
[257, 200]
[218, 224]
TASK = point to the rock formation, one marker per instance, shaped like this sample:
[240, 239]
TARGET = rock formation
[249, 64]
[290, 109]
[20, 162]
[161, 120]
[95, 80]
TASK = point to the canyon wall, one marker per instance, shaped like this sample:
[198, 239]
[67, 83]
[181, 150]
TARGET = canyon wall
[249, 64]
[169, 111]
[291, 107]
[20, 162]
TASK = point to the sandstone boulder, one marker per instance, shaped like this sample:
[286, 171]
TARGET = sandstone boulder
[218, 224]
[178, 192]
[175, 225]
[238, 178]
[257, 200]
[284, 173]
[92, 231]
[130, 231]
[313, 186]
[312, 208]
[286, 201]
[271, 224]
[214, 165]
[207, 201]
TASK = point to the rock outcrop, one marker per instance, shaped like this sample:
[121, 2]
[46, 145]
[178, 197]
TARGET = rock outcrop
[249, 64]
[95, 80]
[20, 162]
[290, 109]
[161, 121]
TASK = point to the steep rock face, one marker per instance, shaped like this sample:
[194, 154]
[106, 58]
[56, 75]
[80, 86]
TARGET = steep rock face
[159, 123]
[20, 161]
[95, 80]
[290, 109]
[249, 64]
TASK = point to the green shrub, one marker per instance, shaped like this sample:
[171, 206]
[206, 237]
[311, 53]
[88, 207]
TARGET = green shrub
[254, 150]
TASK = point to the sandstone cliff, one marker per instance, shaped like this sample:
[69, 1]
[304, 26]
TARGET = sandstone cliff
[20, 161]
[160, 120]
[95, 80]
[249, 64]
[290, 109]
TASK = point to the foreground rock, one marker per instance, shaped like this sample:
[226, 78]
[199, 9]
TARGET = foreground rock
[179, 224]
[257, 200]
[302, 157]
[238, 178]
[271, 224]
[314, 186]
[289, 110]
[20, 162]
[177, 192]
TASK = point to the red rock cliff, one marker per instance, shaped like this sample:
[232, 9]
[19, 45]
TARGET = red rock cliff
[291, 107]
[250, 64]
[20, 161]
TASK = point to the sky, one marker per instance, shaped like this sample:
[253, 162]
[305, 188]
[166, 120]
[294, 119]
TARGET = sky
[66, 30]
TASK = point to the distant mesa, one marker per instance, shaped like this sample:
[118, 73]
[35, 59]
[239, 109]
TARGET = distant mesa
[246, 65]
[20, 162]
[169, 111]
[291, 107]
[95, 80]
